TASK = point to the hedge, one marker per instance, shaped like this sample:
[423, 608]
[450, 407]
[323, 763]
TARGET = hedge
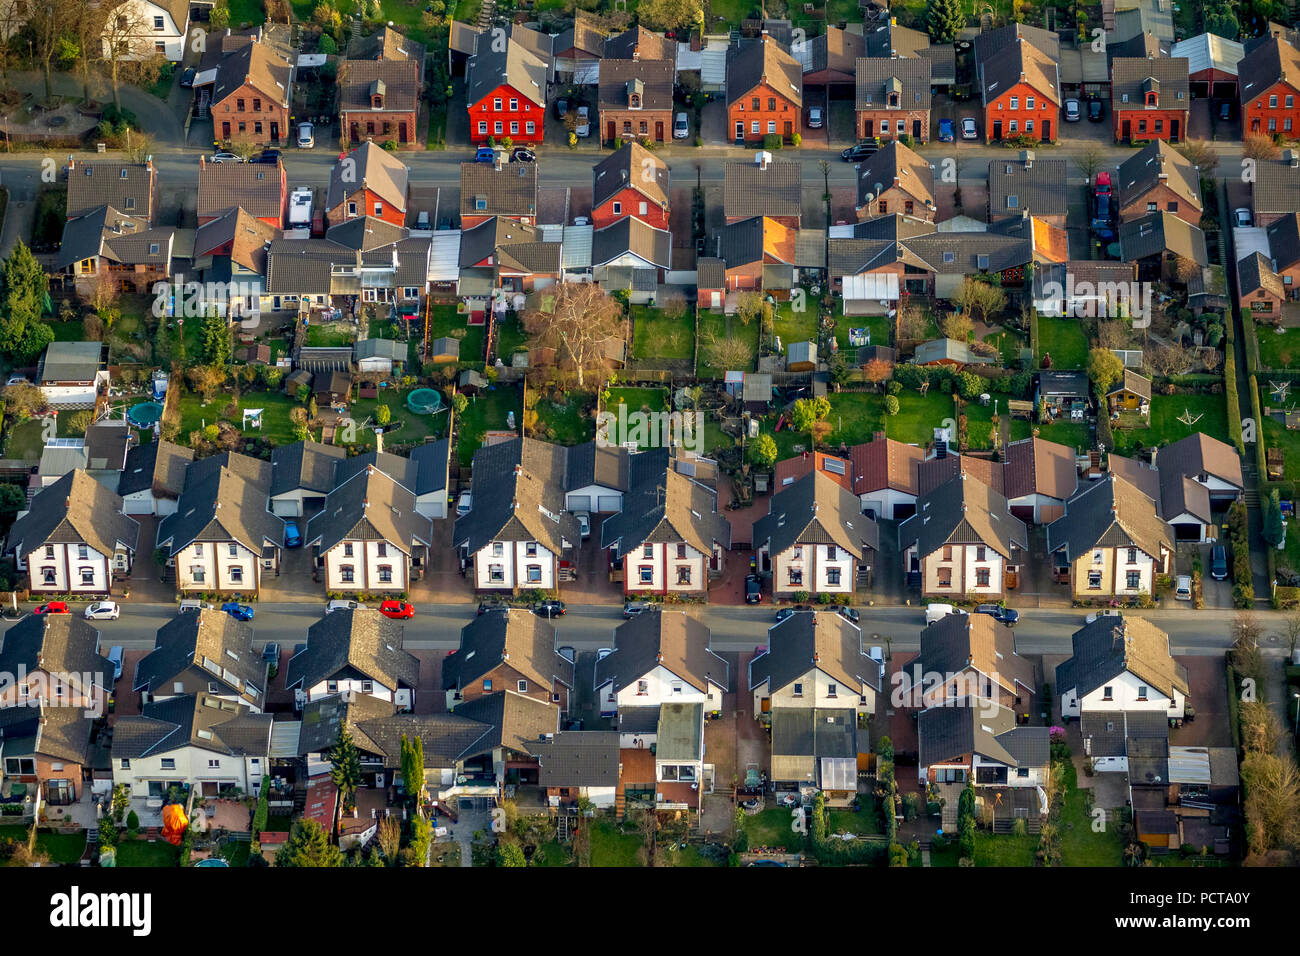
[1260, 458]
[1252, 341]
[1234, 401]
[1234, 718]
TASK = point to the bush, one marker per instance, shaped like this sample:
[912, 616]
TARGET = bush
[772, 141]
[133, 822]
[891, 404]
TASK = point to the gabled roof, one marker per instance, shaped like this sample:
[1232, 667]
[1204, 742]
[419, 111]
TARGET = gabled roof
[1209, 51]
[821, 639]
[1284, 241]
[75, 509]
[324, 718]
[389, 44]
[220, 505]
[837, 50]
[963, 510]
[125, 186]
[1272, 61]
[447, 739]
[638, 43]
[760, 239]
[816, 510]
[158, 467]
[946, 349]
[1014, 54]
[885, 38]
[59, 733]
[257, 188]
[933, 473]
[653, 79]
[193, 720]
[209, 641]
[1037, 466]
[513, 637]
[1110, 646]
[661, 638]
[1143, 17]
[249, 238]
[578, 758]
[514, 66]
[396, 81]
[1110, 513]
[1256, 272]
[632, 167]
[518, 489]
[634, 236]
[885, 463]
[370, 505]
[897, 164]
[1199, 454]
[1132, 78]
[1134, 382]
[1276, 189]
[508, 190]
[369, 166]
[1017, 185]
[432, 462]
[304, 465]
[1160, 232]
[989, 730]
[55, 644]
[584, 36]
[883, 82]
[958, 641]
[749, 189]
[663, 506]
[763, 60]
[1155, 163]
[516, 722]
[254, 64]
[354, 642]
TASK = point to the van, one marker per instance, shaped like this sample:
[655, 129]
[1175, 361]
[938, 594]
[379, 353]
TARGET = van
[1218, 562]
[937, 612]
[115, 658]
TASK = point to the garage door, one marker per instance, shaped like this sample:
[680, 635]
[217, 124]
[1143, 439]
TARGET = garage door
[904, 509]
[1187, 532]
[610, 503]
[1023, 512]
[872, 506]
[579, 502]
[287, 508]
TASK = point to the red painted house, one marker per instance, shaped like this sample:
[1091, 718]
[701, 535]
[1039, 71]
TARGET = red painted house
[367, 182]
[1018, 74]
[260, 189]
[1270, 96]
[631, 182]
[1149, 98]
[506, 92]
[764, 93]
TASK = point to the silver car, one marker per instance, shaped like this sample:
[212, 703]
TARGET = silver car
[306, 136]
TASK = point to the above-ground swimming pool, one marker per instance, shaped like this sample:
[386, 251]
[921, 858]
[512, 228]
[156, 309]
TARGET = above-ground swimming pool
[424, 401]
[145, 414]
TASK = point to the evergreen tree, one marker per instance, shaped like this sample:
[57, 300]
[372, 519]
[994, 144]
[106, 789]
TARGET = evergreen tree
[24, 286]
[944, 19]
[1221, 19]
[308, 845]
[413, 768]
[345, 763]
[1274, 530]
[215, 336]
[509, 854]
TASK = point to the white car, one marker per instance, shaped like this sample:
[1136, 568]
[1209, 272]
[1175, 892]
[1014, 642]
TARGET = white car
[225, 158]
[1096, 614]
[192, 605]
[584, 524]
[937, 612]
[681, 127]
[583, 129]
[344, 606]
[1242, 217]
[815, 117]
[306, 136]
[1072, 112]
[464, 503]
[1183, 587]
[968, 130]
[103, 611]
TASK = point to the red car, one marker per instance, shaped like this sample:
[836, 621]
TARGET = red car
[54, 607]
[397, 609]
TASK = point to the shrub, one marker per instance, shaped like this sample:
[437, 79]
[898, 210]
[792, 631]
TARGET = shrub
[133, 822]
[891, 403]
[772, 141]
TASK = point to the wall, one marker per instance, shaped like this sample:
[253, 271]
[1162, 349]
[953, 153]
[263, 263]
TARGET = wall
[527, 112]
[785, 114]
[664, 565]
[513, 561]
[68, 568]
[218, 566]
[365, 562]
[999, 110]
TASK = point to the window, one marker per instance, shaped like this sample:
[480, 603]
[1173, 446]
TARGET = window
[158, 23]
[514, 105]
[1029, 102]
[126, 763]
[497, 127]
[487, 684]
[257, 104]
[1160, 125]
[1108, 693]
[381, 549]
[198, 574]
[833, 576]
[1132, 555]
[168, 763]
[648, 552]
[1029, 126]
[530, 128]
[618, 208]
[831, 690]
[1142, 126]
[514, 129]
[947, 552]
[798, 553]
[385, 574]
[213, 764]
[496, 573]
[482, 127]
[982, 577]
[981, 553]
[345, 574]
[237, 575]
[1272, 101]
[683, 575]
[796, 576]
[1290, 101]
[234, 550]
[522, 686]
[642, 688]
[771, 127]
[347, 549]
[379, 209]
[1094, 580]
[82, 552]
[239, 105]
[87, 576]
[47, 575]
[945, 578]
[496, 103]
[755, 127]
[831, 553]
[798, 690]
[352, 207]
[49, 551]
[1014, 127]
[498, 549]
[1142, 691]
[1097, 557]
[681, 552]
[756, 103]
[647, 575]
[530, 549]
[1015, 103]
[20, 766]
[535, 573]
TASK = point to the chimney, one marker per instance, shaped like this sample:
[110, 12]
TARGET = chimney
[1027, 157]
[365, 503]
[659, 658]
[1291, 157]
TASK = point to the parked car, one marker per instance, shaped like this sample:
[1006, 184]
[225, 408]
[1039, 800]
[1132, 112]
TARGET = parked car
[1072, 112]
[1101, 186]
[189, 605]
[946, 131]
[271, 652]
[1111, 612]
[937, 612]
[187, 78]
[485, 154]
[551, 608]
[225, 158]
[603, 653]
[485, 606]
[103, 611]
[292, 536]
[633, 608]
[561, 108]
[1101, 214]
[267, 156]
[968, 129]
[816, 117]
[681, 127]
[783, 612]
[583, 128]
[584, 524]
[306, 136]
[115, 658]
[844, 611]
[1242, 217]
[1183, 587]
[522, 154]
[1004, 615]
[398, 610]
[1096, 110]
[1219, 562]
[753, 589]
[53, 607]
[344, 605]
[856, 154]
[1225, 111]
[240, 612]
[464, 503]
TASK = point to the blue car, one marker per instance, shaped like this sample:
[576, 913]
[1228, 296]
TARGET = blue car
[240, 612]
[945, 131]
[485, 154]
[292, 536]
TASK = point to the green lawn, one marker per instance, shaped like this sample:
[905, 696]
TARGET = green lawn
[612, 847]
[878, 325]
[637, 399]
[1064, 340]
[276, 426]
[1166, 410]
[791, 326]
[551, 854]
[68, 331]
[405, 427]
[690, 856]
[1276, 435]
[655, 335]
[773, 828]
[721, 328]
[60, 847]
[1080, 844]
[979, 418]
[1004, 849]
[511, 337]
[487, 411]
[919, 415]
[235, 852]
[249, 11]
[25, 440]
[143, 853]
[1009, 343]
[865, 820]
[1278, 350]
[330, 335]
[444, 320]
[1071, 434]
[567, 422]
[854, 417]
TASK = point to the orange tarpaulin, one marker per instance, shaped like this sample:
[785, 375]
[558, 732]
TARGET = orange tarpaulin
[175, 823]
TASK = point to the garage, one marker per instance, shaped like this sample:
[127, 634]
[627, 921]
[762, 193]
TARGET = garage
[1187, 532]
[1024, 512]
[579, 502]
[904, 510]
[610, 503]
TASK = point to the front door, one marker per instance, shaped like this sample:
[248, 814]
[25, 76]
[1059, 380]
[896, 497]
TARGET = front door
[610, 129]
[789, 130]
[1047, 131]
[997, 129]
[225, 130]
[1126, 130]
[659, 131]
[1173, 130]
[916, 129]
[275, 131]
[740, 131]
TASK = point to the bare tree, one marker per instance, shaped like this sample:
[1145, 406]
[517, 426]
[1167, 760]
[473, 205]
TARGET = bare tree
[912, 324]
[1272, 804]
[979, 299]
[47, 22]
[1172, 359]
[1257, 146]
[579, 325]
[878, 371]
[1091, 159]
[1112, 334]
[648, 823]
[1291, 627]
[88, 35]
[728, 353]
[1200, 154]
[127, 48]
[748, 307]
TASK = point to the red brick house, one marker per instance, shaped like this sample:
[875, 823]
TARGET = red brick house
[379, 100]
[895, 180]
[1284, 248]
[1158, 178]
[764, 93]
[260, 189]
[1017, 72]
[1270, 97]
[748, 247]
[631, 182]
[509, 649]
[1260, 287]
[488, 190]
[636, 100]
[893, 98]
[367, 182]
[1149, 98]
[506, 93]
[250, 98]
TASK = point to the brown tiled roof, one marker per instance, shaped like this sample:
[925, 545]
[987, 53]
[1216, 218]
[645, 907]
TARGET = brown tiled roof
[388, 44]
[250, 237]
[508, 191]
[515, 637]
[1131, 78]
[1277, 185]
[398, 80]
[879, 77]
[1109, 513]
[1255, 272]
[256, 187]
[255, 64]
[963, 510]
[1109, 646]
[489, 68]
[957, 641]
[641, 44]
[836, 50]
[816, 509]
[1159, 232]
[629, 167]
[1037, 466]
[124, 186]
[1198, 454]
[661, 637]
[896, 162]
[1143, 171]
[74, 509]
[749, 190]
[584, 35]
[1017, 185]
[1271, 61]
[760, 59]
[372, 167]
[1007, 54]
[790, 470]
[934, 472]
[885, 463]
[1133, 382]
[655, 77]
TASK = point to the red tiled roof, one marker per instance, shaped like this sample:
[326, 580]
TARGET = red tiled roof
[885, 463]
[792, 469]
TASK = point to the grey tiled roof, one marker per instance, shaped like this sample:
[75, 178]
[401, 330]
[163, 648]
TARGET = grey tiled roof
[361, 641]
[369, 505]
[1111, 646]
[371, 167]
[809, 639]
[635, 236]
[1132, 78]
[618, 78]
[74, 509]
[62, 643]
[816, 509]
[508, 191]
[749, 190]
[899, 82]
[516, 637]
[1006, 54]
[257, 188]
[654, 638]
[1277, 186]
[304, 465]
[663, 506]
[124, 186]
[221, 505]
[396, 81]
[159, 466]
[1284, 241]
[1160, 232]
[963, 511]
[193, 720]
[513, 482]
[581, 758]
[628, 167]
[1016, 187]
[1144, 170]
[750, 63]
[1110, 513]
[896, 162]
[188, 640]
[517, 723]
[970, 726]
[489, 68]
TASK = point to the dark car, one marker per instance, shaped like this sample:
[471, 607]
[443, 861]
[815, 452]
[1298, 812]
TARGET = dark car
[268, 156]
[856, 154]
[843, 610]
[522, 154]
[485, 606]
[1225, 110]
[549, 608]
[1096, 110]
[271, 652]
[787, 611]
[561, 108]
[753, 589]
[945, 131]
[1005, 615]
[292, 536]
[1218, 562]
[187, 78]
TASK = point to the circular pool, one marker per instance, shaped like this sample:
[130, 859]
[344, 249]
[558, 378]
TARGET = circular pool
[145, 414]
[424, 401]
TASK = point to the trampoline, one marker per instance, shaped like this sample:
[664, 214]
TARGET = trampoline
[424, 401]
[145, 414]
